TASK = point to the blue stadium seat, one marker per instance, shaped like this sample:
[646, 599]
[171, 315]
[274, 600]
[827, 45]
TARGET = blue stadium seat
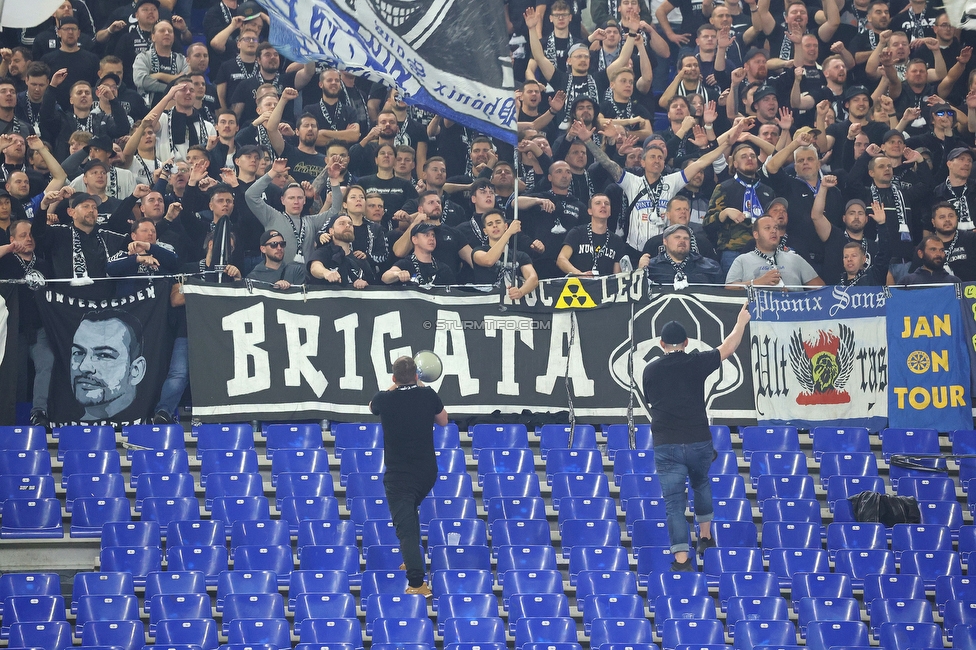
[52, 635]
[498, 436]
[292, 436]
[384, 557]
[935, 464]
[820, 585]
[721, 437]
[223, 437]
[556, 436]
[253, 606]
[633, 461]
[894, 586]
[505, 461]
[369, 461]
[208, 429]
[568, 645]
[840, 487]
[450, 461]
[768, 438]
[459, 606]
[201, 631]
[724, 486]
[588, 508]
[954, 588]
[835, 439]
[298, 460]
[591, 583]
[964, 637]
[852, 463]
[452, 486]
[930, 565]
[607, 606]
[522, 532]
[568, 484]
[315, 582]
[812, 608]
[364, 508]
[752, 608]
[403, 630]
[509, 485]
[588, 532]
[447, 437]
[471, 532]
[917, 537]
[776, 462]
[749, 634]
[385, 606]
[535, 606]
[31, 608]
[524, 558]
[735, 534]
[725, 462]
[26, 462]
[460, 581]
[790, 534]
[90, 514]
[377, 531]
[304, 484]
[936, 488]
[176, 606]
[746, 584]
[136, 437]
[489, 629]
[679, 632]
[76, 461]
[446, 508]
[126, 635]
[227, 460]
[909, 441]
[357, 435]
[231, 509]
[28, 584]
[84, 438]
[654, 559]
[784, 487]
[902, 636]
[361, 484]
[958, 613]
[328, 558]
[688, 607]
[245, 582]
[860, 563]
[173, 582]
[647, 486]
[885, 610]
[327, 532]
[38, 486]
[548, 630]
[515, 508]
[618, 437]
[641, 508]
[266, 558]
[23, 438]
[222, 484]
[604, 631]
[196, 533]
[574, 461]
[822, 635]
[295, 510]
[168, 486]
[649, 532]
[942, 513]
[381, 582]
[332, 631]
[328, 605]
[460, 557]
[667, 583]
[94, 583]
[259, 532]
[531, 581]
[597, 558]
[732, 510]
[785, 562]
[210, 560]
[859, 536]
[159, 461]
[31, 519]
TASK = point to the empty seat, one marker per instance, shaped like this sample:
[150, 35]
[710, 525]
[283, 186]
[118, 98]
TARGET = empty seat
[835, 439]
[687, 607]
[446, 508]
[490, 629]
[556, 436]
[498, 436]
[604, 631]
[958, 613]
[127, 635]
[822, 635]
[315, 582]
[531, 581]
[177, 606]
[460, 557]
[589, 508]
[376, 532]
[201, 631]
[76, 461]
[386, 606]
[357, 435]
[725, 462]
[381, 582]
[29, 584]
[667, 583]
[860, 563]
[535, 606]
[917, 537]
[453, 606]
[362, 484]
[768, 438]
[732, 510]
[304, 484]
[251, 632]
[902, 636]
[749, 634]
[735, 534]
[163, 485]
[450, 461]
[470, 532]
[223, 437]
[23, 438]
[327, 606]
[654, 559]
[892, 586]
[383, 557]
[452, 485]
[231, 509]
[840, 487]
[740, 584]
[790, 534]
[762, 608]
[363, 508]
[325, 532]
[589, 532]
[720, 560]
[328, 558]
[90, 514]
[942, 513]
[515, 508]
[819, 585]
[403, 630]
[835, 463]
[368, 461]
[909, 441]
[859, 536]
[295, 510]
[530, 532]
[649, 532]
[936, 488]
[930, 565]
[131, 533]
[446, 437]
[547, 630]
[265, 558]
[689, 632]
[227, 460]
[240, 606]
[298, 460]
[196, 533]
[505, 461]
[509, 485]
[618, 437]
[812, 608]
[646, 486]
[245, 582]
[607, 606]
[590, 583]
[332, 631]
[784, 487]
[136, 437]
[31, 518]
[51, 635]
[173, 582]
[210, 560]
[89, 583]
[32, 608]
[159, 461]
[568, 484]
[26, 462]
[573, 461]
[885, 610]
[460, 581]
[785, 562]
[292, 436]
[776, 462]
[259, 532]
[38, 486]
[597, 558]
[84, 438]
[222, 484]
[633, 461]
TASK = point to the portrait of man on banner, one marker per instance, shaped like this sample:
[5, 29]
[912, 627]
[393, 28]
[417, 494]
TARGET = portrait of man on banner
[107, 364]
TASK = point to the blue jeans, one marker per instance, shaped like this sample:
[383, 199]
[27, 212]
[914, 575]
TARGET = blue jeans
[675, 463]
[177, 379]
[726, 259]
[404, 496]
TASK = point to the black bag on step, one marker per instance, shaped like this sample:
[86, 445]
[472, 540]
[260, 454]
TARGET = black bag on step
[887, 509]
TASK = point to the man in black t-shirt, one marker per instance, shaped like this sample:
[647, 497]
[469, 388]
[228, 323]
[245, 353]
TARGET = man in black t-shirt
[420, 267]
[590, 249]
[408, 411]
[489, 260]
[674, 388]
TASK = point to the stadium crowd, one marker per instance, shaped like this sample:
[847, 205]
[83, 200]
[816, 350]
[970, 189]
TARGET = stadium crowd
[748, 142]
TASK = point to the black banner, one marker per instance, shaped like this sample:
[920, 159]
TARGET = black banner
[271, 355]
[111, 356]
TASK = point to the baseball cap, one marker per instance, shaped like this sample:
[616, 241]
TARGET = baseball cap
[781, 201]
[577, 46]
[808, 129]
[941, 107]
[675, 227]
[421, 228]
[101, 142]
[92, 164]
[4, 194]
[673, 333]
[960, 151]
[71, 20]
[268, 235]
[249, 10]
[753, 52]
[610, 22]
[80, 197]
[111, 75]
[139, 3]
[892, 133]
[854, 202]
[763, 91]
[248, 150]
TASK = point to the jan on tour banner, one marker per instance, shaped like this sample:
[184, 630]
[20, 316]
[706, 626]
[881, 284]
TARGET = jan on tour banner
[272, 355]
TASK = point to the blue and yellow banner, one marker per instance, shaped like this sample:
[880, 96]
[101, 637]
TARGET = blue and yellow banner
[928, 362]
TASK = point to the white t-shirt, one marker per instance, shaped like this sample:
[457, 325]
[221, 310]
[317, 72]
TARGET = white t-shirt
[793, 269]
[647, 218]
[166, 150]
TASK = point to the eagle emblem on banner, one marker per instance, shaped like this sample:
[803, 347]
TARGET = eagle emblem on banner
[823, 365]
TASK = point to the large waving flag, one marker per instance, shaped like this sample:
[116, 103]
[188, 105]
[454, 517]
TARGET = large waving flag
[450, 57]
[961, 13]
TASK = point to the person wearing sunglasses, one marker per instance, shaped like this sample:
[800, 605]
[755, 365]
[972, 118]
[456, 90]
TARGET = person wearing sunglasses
[274, 270]
[941, 139]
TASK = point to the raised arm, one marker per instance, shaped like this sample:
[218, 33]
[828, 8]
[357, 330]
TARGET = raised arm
[731, 342]
[820, 222]
[274, 135]
[532, 20]
[584, 135]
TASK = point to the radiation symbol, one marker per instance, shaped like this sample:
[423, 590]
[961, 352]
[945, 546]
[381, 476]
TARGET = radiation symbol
[918, 362]
[574, 296]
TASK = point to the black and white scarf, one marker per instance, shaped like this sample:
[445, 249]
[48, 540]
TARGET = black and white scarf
[146, 172]
[79, 265]
[899, 208]
[550, 46]
[598, 251]
[253, 72]
[327, 114]
[961, 204]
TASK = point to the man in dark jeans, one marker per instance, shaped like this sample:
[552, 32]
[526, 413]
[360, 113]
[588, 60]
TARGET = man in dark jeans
[674, 387]
[408, 411]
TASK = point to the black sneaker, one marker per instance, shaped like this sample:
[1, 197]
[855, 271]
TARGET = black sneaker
[704, 543]
[163, 417]
[38, 418]
[687, 565]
